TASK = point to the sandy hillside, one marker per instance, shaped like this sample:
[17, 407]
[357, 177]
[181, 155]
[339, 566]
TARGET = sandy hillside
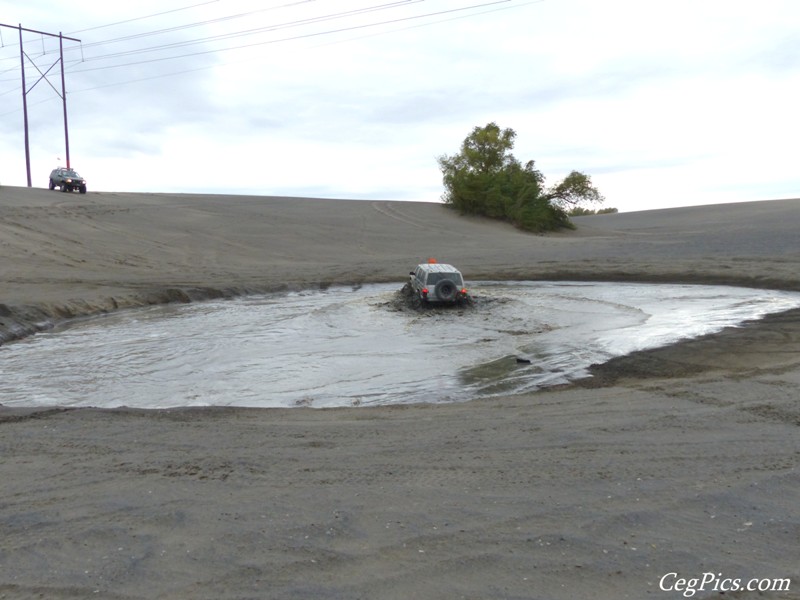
[678, 460]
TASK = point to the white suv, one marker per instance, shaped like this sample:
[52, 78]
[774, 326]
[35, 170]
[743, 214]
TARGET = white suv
[434, 282]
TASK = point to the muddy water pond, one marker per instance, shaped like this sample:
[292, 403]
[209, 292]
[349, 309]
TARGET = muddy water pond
[361, 346]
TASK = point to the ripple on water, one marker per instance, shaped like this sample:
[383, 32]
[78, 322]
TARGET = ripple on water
[353, 347]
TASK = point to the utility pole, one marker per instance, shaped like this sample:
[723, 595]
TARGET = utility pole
[64, 93]
[43, 75]
[25, 107]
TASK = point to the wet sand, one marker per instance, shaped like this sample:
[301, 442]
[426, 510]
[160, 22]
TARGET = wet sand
[682, 459]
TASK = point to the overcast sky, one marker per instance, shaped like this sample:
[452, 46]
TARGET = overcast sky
[662, 103]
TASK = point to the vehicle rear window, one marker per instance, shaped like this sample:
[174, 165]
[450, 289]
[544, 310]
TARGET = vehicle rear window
[434, 278]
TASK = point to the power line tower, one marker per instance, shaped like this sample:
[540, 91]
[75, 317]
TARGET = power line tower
[42, 76]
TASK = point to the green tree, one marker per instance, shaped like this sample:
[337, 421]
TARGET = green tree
[573, 190]
[485, 178]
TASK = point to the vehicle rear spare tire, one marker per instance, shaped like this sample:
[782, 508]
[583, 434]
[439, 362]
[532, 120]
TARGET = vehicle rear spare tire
[445, 290]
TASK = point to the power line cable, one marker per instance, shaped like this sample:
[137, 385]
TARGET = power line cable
[166, 12]
[246, 32]
[205, 68]
[191, 25]
[492, 10]
[315, 34]
[196, 41]
[293, 38]
[141, 18]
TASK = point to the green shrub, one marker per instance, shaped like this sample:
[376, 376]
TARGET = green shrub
[484, 178]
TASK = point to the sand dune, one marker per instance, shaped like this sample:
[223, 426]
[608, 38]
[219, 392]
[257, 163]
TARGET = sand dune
[677, 460]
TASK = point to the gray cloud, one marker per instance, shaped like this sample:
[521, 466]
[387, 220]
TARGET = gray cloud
[623, 90]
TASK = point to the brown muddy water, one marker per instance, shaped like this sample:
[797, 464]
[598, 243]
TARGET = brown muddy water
[362, 346]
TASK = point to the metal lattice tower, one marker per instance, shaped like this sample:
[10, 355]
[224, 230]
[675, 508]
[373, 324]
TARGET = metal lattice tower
[42, 76]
